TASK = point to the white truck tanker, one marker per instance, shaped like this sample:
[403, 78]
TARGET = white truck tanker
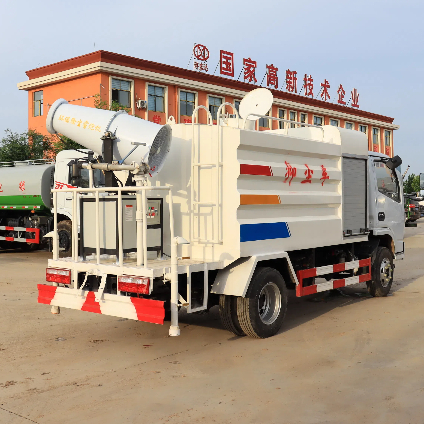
[220, 214]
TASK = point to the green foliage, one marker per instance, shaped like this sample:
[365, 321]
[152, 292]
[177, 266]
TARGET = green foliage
[64, 143]
[103, 104]
[411, 184]
[32, 145]
[24, 146]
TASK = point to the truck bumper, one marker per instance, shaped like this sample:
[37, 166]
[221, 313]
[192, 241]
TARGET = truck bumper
[135, 308]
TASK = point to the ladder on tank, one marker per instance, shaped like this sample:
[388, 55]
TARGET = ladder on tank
[212, 220]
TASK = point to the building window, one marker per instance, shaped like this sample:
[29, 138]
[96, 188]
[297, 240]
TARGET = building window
[363, 128]
[281, 115]
[387, 137]
[318, 120]
[38, 103]
[334, 122]
[263, 122]
[187, 103]
[237, 105]
[293, 117]
[349, 125]
[121, 92]
[214, 104]
[156, 98]
[375, 133]
[304, 118]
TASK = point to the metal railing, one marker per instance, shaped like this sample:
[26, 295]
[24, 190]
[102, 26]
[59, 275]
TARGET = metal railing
[141, 219]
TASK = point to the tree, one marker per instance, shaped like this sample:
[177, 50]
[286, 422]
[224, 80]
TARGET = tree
[411, 184]
[24, 146]
[31, 145]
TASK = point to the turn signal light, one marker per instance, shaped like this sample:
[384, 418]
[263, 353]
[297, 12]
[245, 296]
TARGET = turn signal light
[133, 284]
[56, 275]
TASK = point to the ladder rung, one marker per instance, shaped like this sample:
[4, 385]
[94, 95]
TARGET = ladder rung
[206, 164]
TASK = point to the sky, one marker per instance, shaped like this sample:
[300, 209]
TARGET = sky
[375, 46]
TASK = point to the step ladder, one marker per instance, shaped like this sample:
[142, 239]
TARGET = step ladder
[206, 229]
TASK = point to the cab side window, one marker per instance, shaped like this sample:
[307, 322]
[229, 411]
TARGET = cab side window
[387, 181]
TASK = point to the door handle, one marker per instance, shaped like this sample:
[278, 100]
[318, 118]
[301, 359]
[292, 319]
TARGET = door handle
[381, 216]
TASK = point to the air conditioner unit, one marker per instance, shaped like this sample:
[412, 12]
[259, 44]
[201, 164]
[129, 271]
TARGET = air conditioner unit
[141, 104]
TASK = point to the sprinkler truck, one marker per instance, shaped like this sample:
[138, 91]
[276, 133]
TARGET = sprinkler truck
[219, 214]
[25, 200]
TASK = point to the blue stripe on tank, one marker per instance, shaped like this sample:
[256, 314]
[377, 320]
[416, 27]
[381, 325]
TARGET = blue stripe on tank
[264, 231]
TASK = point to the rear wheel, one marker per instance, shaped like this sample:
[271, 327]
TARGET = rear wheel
[228, 314]
[381, 273]
[261, 313]
[64, 232]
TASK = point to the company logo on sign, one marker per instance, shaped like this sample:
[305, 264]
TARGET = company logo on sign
[22, 186]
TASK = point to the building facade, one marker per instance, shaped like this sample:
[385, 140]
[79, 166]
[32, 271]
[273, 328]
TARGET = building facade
[155, 91]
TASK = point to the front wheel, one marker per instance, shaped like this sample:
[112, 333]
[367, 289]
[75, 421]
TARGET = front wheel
[381, 273]
[261, 313]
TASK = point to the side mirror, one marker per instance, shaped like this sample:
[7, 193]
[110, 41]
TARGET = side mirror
[394, 162]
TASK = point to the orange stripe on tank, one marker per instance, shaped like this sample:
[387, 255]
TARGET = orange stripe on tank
[259, 199]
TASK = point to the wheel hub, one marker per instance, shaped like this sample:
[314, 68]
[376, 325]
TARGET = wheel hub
[269, 303]
[386, 272]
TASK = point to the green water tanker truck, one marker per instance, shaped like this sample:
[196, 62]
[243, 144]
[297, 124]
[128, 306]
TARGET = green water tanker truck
[26, 201]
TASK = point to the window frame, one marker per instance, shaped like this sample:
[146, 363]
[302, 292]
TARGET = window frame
[269, 123]
[217, 97]
[131, 81]
[165, 99]
[378, 136]
[306, 118]
[336, 120]
[281, 124]
[397, 182]
[196, 95]
[294, 120]
[366, 129]
[352, 123]
[322, 120]
[390, 138]
[39, 102]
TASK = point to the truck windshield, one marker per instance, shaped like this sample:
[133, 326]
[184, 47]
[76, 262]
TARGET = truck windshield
[99, 178]
[387, 181]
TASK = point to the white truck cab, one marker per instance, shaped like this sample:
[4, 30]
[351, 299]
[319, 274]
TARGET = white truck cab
[385, 198]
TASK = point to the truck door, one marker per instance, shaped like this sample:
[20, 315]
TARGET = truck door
[388, 211]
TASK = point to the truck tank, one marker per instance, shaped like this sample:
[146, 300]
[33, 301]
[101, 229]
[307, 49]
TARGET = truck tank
[26, 186]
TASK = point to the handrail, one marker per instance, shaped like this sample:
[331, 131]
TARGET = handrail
[96, 191]
[193, 115]
[303, 124]
[218, 114]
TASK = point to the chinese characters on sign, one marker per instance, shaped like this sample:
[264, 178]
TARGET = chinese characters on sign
[226, 61]
[157, 119]
[249, 67]
[227, 68]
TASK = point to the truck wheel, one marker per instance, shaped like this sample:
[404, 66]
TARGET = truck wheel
[228, 314]
[64, 231]
[381, 273]
[262, 311]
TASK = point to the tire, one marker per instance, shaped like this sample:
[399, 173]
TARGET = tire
[261, 313]
[228, 314]
[381, 273]
[64, 230]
